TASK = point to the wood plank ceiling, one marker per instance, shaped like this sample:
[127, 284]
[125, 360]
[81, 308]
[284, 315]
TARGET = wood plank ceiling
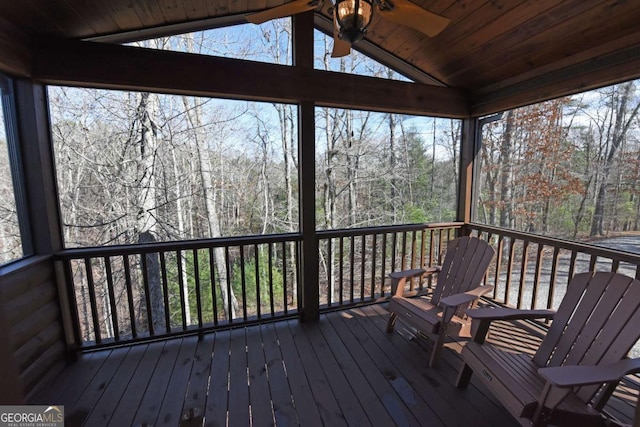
[489, 46]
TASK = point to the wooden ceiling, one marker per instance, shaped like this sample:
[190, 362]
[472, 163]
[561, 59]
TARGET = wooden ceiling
[491, 49]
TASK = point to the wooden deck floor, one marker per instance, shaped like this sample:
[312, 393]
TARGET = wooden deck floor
[342, 371]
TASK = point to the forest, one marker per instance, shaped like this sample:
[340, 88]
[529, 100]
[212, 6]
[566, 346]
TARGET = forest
[565, 168]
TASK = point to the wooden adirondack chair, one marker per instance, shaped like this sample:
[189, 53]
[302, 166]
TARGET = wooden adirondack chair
[458, 288]
[579, 362]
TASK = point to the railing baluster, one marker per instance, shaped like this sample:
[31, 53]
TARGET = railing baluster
[297, 274]
[383, 271]
[227, 262]
[112, 299]
[212, 277]
[284, 277]
[552, 279]
[394, 254]
[432, 257]
[615, 265]
[165, 291]
[572, 265]
[271, 302]
[412, 258]
[363, 258]
[414, 243]
[423, 248]
[374, 250]
[499, 250]
[256, 258]
[243, 283]
[523, 271]
[196, 276]
[352, 250]
[512, 249]
[440, 253]
[183, 307]
[92, 300]
[341, 267]
[147, 296]
[129, 284]
[403, 253]
[536, 277]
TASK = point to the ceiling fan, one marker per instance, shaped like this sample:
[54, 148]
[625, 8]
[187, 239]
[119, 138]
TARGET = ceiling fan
[351, 18]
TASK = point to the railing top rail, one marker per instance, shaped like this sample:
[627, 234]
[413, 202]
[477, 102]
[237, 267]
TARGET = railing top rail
[348, 232]
[130, 249]
[560, 243]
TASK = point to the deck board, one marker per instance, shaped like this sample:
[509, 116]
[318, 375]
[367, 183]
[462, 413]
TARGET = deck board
[343, 370]
[239, 386]
[261, 410]
[284, 412]
[217, 396]
[196, 395]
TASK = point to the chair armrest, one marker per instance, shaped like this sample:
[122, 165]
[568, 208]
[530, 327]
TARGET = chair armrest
[399, 278]
[467, 297]
[504, 313]
[405, 274]
[482, 318]
[579, 375]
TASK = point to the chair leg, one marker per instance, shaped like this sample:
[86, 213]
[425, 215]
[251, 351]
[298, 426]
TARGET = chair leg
[437, 347]
[464, 376]
[391, 323]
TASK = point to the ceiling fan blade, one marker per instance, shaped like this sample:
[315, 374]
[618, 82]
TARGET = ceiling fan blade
[405, 13]
[287, 9]
[340, 47]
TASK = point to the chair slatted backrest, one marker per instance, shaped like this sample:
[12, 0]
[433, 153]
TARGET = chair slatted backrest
[597, 322]
[465, 263]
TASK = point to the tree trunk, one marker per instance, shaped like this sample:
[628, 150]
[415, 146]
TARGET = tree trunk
[203, 154]
[505, 177]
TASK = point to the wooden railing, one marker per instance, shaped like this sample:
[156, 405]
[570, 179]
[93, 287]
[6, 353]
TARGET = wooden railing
[133, 293]
[122, 294]
[355, 263]
[532, 272]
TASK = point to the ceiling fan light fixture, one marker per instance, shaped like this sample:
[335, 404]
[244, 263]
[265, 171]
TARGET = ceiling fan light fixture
[353, 18]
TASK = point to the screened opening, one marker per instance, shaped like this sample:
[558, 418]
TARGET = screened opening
[269, 42]
[140, 167]
[568, 167]
[382, 169]
[15, 240]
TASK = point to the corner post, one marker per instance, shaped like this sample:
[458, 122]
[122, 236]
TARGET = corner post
[468, 152]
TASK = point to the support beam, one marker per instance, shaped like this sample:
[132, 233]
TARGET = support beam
[38, 167]
[468, 152]
[309, 259]
[93, 64]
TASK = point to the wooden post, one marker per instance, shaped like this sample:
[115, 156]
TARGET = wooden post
[468, 152]
[309, 293]
[41, 191]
